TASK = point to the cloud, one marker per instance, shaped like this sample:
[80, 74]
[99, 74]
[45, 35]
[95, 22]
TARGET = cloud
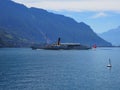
[99, 15]
[74, 5]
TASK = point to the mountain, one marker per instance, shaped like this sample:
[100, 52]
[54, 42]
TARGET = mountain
[112, 36]
[21, 26]
[8, 39]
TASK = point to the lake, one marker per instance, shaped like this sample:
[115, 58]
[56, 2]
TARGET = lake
[27, 69]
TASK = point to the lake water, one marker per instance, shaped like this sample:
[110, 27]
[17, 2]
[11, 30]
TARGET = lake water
[26, 69]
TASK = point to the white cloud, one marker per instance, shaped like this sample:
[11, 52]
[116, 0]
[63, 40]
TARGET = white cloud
[74, 5]
[99, 15]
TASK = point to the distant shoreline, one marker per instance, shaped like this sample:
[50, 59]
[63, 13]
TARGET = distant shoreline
[31, 46]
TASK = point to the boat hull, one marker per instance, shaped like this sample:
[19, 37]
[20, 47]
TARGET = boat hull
[64, 47]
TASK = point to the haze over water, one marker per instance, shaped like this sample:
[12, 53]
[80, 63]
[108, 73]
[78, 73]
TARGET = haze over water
[26, 69]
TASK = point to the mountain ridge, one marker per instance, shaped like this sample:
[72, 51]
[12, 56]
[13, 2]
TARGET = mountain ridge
[33, 25]
[112, 36]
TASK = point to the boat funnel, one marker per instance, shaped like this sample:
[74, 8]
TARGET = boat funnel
[58, 43]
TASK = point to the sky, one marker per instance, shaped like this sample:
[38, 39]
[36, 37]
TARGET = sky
[101, 15]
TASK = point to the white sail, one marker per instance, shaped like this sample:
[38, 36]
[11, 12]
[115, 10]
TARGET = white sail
[109, 65]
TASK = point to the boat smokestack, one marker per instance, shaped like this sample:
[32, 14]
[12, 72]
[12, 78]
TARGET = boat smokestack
[58, 43]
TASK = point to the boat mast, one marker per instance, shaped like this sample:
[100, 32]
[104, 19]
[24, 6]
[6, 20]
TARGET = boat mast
[109, 62]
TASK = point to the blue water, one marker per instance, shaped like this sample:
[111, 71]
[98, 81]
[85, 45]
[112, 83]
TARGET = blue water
[26, 69]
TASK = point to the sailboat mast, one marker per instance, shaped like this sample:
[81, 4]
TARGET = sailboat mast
[109, 62]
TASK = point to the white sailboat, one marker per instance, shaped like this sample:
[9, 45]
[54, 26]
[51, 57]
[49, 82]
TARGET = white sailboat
[109, 65]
